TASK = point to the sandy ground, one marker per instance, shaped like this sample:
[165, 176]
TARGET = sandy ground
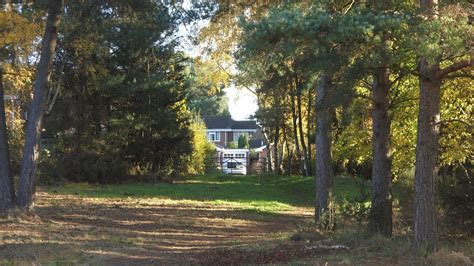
[74, 230]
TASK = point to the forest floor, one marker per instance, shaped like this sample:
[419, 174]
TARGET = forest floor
[206, 220]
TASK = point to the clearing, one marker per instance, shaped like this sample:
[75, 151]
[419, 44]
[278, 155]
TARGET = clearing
[150, 224]
[202, 220]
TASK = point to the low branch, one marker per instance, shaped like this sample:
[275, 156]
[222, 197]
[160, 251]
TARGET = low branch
[395, 102]
[453, 68]
[463, 74]
[453, 120]
[319, 248]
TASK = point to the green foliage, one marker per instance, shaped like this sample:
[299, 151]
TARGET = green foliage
[356, 208]
[200, 161]
[243, 142]
[457, 195]
[205, 95]
[233, 145]
[457, 109]
[124, 93]
[447, 37]
[95, 164]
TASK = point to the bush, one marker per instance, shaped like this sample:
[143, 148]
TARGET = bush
[202, 158]
[243, 142]
[84, 166]
[457, 197]
[357, 208]
[233, 145]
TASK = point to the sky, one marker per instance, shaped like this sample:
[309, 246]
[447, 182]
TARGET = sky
[242, 103]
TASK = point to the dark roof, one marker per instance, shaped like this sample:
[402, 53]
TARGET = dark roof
[258, 140]
[218, 122]
[257, 143]
[247, 124]
[227, 122]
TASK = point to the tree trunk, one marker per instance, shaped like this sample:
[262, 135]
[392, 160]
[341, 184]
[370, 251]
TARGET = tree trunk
[323, 153]
[26, 189]
[381, 210]
[269, 162]
[300, 129]
[310, 106]
[295, 130]
[425, 227]
[276, 160]
[289, 154]
[7, 192]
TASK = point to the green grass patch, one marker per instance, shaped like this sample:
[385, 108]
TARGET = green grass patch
[262, 194]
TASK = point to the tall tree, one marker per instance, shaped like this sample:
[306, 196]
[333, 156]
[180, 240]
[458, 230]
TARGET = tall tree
[304, 149]
[7, 192]
[324, 181]
[425, 228]
[381, 208]
[294, 118]
[26, 188]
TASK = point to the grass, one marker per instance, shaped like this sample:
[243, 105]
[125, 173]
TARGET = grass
[220, 218]
[264, 194]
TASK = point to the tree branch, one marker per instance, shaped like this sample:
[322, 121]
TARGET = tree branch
[453, 68]
[454, 120]
[231, 75]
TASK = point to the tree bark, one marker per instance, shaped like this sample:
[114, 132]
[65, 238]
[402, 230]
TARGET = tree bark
[7, 192]
[276, 161]
[323, 212]
[381, 210]
[289, 154]
[425, 227]
[300, 129]
[26, 189]
[295, 129]
[309, 122]
[269, 162]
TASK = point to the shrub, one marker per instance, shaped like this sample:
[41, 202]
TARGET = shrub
[457, 195]
[200, 161]
[243, 142]
[233, 145]
[86, 165]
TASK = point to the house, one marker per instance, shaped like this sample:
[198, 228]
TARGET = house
[225, 132]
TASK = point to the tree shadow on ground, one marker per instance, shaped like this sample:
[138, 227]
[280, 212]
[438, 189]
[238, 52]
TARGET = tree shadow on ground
[82, 230]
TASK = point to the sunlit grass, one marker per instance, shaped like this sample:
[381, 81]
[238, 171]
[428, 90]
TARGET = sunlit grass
[262, 194]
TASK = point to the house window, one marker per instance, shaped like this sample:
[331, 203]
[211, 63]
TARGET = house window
[237, 134]
[214, 136]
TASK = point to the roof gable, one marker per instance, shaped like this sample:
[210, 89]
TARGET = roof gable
[218, 122]
[229, 123]
[245, 124]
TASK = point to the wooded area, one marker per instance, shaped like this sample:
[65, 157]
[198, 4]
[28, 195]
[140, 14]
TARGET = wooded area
[111, 92]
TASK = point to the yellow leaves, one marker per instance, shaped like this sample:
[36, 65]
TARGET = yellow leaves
[202, 149]
[212, 74]
[16, 29]
[18, 80]
[457, 123]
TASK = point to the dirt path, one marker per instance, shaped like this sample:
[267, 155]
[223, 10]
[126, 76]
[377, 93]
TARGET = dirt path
[132, 231]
